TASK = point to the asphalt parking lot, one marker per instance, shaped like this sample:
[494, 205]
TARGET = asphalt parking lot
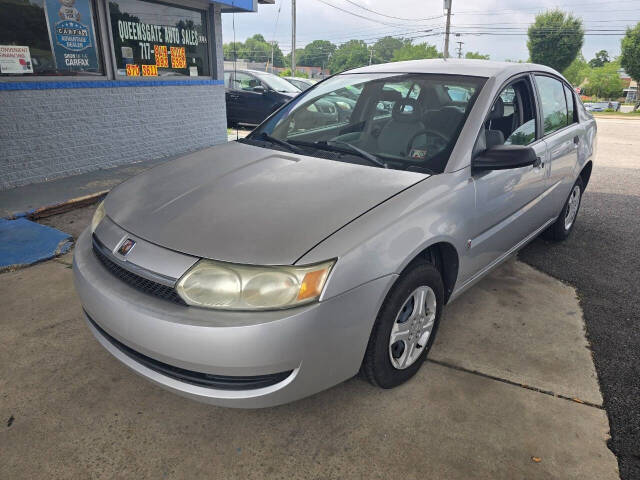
[510, 390]
[601, 259]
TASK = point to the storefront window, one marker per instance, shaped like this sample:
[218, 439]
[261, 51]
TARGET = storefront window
[155, 39]
[48, 37]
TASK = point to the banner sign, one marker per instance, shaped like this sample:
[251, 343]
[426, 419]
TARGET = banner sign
[71, 33]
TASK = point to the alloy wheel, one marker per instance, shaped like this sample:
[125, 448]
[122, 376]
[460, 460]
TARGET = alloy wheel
[412, 327]
[572, 207]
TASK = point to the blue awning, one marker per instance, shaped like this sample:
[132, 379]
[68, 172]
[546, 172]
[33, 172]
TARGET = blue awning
[237, 5]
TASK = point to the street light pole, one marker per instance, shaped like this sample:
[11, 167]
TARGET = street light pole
[447, 6]
[293, 38]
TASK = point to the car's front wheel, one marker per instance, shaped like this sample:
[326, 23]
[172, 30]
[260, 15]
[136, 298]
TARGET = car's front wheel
[563, 226]
[405, 327]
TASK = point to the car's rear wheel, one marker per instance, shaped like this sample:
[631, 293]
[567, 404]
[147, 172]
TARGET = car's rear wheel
[405, 327]
[563, 226]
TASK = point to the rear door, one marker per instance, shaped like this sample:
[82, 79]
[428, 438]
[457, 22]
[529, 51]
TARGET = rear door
[562, 133]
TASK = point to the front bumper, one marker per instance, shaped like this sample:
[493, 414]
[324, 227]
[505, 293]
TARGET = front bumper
[321, 344]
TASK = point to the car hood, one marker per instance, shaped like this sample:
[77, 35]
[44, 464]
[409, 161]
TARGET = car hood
[246, 204]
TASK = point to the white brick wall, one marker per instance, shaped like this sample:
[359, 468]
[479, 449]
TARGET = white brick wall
[46, 134]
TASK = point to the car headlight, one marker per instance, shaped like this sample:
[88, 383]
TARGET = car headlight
[97, 217]
[228, 286]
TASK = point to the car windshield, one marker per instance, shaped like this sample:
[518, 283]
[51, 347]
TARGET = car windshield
[276, 83]
[399, 121]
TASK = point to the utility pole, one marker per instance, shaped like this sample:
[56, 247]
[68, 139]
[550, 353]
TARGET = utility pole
[293, 38]
[460, 43]
[370, 55]
[272, 47]
[447, 6]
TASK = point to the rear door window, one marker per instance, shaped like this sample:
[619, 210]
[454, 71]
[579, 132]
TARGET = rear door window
[553, 102]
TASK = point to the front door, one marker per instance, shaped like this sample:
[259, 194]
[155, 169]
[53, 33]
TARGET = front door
[511, 205]
[249, 102]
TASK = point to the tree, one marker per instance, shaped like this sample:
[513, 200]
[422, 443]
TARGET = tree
[384, 48]
[287, 73]
[555, 38]
[577, 71]
[476, 55]
[605, 82]
[254, 49]
[315, 54]
[351, 54]
[419, 51]
[600, 59]
[630, 58]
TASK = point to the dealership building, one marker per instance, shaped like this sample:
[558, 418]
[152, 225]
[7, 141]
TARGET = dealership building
[91, 84]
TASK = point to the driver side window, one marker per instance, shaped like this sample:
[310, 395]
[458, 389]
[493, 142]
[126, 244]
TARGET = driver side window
[244, 81]
[512, 118]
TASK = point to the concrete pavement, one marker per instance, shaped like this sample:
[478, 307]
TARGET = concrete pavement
[76, 412]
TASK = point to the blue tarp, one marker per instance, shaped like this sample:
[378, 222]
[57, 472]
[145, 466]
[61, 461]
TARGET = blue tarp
[23, 242]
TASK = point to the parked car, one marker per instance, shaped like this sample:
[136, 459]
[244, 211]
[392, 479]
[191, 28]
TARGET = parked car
[602, 106]
[252, 96]
[260, 271]
[301, 83]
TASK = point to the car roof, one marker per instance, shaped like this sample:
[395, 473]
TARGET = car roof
[455, 66]
[248, 70]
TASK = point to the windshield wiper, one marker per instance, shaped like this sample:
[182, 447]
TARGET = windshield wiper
[282, 143]
[344, 147]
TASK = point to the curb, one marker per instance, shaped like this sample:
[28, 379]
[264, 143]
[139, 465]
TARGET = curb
[62, 207]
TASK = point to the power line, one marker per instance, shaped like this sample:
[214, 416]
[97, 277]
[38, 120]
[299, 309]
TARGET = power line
[358, 15]
[391, 16]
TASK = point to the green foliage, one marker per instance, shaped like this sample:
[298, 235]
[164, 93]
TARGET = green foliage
[577, 71]
[555, 38]
[630, 58]
[315, 54]
[600, 59]
[254, 49]
[604, 82]
[351, 54]
[287, 73]
[384, 49]
[476, 55]
[419, 51]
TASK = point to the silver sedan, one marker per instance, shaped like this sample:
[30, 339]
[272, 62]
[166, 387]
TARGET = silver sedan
[261, 271]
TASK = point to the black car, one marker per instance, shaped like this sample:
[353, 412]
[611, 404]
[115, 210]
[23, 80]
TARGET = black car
[252, 95]
[301, 83]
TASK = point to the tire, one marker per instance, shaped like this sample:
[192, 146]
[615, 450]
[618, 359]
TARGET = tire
[562, 227]
[388, 364]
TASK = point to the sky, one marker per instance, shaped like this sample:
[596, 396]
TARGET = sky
[496, 28]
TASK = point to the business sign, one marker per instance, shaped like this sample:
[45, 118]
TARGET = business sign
[15, 59]
[71, 34]
[153, 39]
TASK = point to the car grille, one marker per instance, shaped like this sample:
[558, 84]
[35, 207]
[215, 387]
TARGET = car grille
[221, 382]
[136, 281]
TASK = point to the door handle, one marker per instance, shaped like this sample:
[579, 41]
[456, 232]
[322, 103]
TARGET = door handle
[576, 139]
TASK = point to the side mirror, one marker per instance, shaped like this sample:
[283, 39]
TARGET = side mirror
[259, 89]
[503, 157]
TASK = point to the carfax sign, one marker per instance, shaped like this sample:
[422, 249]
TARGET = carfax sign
[71, 33]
